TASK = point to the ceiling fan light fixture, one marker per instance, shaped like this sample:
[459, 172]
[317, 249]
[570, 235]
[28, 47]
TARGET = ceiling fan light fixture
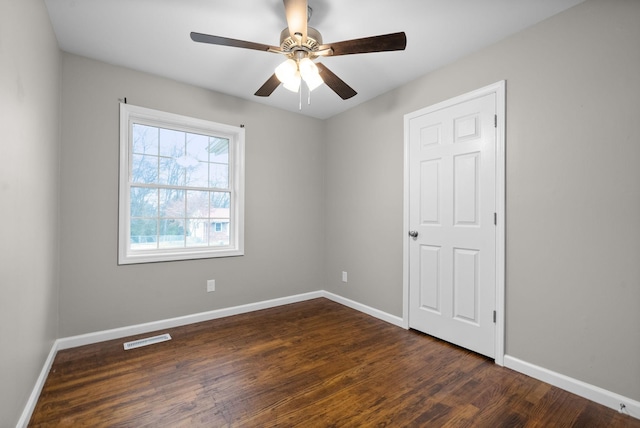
[286, 71]
[293, 83]
[310, 74]
[314, 81]
[307, 67]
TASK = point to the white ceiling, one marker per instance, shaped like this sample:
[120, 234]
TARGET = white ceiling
[153, 36]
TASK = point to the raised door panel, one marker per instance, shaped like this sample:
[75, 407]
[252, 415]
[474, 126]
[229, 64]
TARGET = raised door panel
[430, 192]
[465, 285]
[430, 278]
[466, 188]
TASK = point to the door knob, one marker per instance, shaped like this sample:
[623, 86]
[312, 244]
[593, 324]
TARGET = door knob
[413, 233]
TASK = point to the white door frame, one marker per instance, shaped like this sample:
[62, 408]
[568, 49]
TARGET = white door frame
[497, 88]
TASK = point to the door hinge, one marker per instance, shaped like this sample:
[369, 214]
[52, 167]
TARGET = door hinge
[494, 317]
[495, 120]
[495, 219]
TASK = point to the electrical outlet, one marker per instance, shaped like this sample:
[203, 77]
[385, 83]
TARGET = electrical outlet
[344, 276]
[211, 285]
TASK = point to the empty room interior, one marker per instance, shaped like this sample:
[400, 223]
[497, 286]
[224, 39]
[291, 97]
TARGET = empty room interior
[319, 227]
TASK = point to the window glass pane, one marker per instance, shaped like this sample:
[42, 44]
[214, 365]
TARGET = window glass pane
[144, 202]
[220, 203]
[144, 169]
[198, 176]
[144, 234]
[219, 235]
[219, 150]
[197, 204]
[171, 172]
[172, 203]
[171, 233]
[219, 176]
[197, 232]
[145, 139]
[172, 143]
[220, 214]
[198, 147]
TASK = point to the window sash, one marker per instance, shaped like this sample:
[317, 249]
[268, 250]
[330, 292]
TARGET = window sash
[134, 115]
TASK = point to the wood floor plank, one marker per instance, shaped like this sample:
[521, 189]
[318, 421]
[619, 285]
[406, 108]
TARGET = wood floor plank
[314, 364]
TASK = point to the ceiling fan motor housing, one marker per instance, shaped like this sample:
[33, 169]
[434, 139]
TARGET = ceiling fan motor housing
[290, 45]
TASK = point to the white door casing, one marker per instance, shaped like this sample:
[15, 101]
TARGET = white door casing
[454, 197]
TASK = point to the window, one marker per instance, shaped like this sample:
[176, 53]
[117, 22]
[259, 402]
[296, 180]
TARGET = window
[181, 187]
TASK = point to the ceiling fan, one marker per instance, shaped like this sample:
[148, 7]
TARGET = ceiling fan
[302, 44]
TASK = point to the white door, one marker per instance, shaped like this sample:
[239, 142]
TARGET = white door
[452, 206]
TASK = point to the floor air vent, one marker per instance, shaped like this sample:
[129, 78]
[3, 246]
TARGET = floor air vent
[147, 341]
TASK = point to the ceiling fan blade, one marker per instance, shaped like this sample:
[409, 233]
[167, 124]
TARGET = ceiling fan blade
[382, 43]
[225, 41]
[269, 86]
[336, 84]
[296, 13]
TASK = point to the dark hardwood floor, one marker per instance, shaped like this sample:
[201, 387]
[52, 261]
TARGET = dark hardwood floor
[312, 364]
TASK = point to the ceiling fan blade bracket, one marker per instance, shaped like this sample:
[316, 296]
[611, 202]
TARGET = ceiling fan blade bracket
[278, 51]
[323, 52]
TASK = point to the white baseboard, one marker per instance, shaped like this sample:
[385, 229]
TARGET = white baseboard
[376, 313]
[117, 333]
[37, 389]
[578, 387]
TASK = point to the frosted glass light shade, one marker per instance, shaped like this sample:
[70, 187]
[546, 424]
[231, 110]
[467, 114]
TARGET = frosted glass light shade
[310, 73]
[286, 71]
[313, 81]
[291, 72]
[293, 84]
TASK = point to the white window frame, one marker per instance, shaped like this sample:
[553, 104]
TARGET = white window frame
[129, 115]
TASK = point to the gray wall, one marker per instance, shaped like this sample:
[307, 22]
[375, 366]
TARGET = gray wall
[573, 190]
[29, 152]
[283, 222]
